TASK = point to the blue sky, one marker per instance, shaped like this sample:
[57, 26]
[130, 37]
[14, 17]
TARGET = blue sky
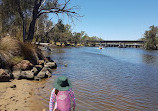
[115, 19]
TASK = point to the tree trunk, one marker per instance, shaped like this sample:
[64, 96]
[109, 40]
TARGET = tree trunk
[31, 30]
[24, 30]
[33, 22]
[55, 43]
[65, 42]
[61, 43]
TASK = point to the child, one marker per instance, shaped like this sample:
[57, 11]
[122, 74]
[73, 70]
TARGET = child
[62, 94]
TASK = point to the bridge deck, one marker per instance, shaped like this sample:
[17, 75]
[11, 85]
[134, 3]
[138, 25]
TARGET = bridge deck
[117, 41]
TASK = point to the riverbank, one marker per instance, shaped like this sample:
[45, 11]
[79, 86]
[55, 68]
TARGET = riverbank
[18, 95]
[23, 61]
[20, 65]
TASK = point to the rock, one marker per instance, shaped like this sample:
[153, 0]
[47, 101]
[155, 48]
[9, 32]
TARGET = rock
[41, 74]
[50, 65]
[13, 86]
[17, 67]
[4, 76]
[44, 73]
[23, 65]
[16, 74]
[38, 67]
[27, 75]
[35, 71]
[48, 59]
[48, 73]
[26, 65]
[41, 62]
[65, 65]
[50, 70]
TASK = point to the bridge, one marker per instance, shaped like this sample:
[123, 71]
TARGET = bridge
[116, 43]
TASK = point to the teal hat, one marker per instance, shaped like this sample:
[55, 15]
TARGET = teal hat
[62, 83]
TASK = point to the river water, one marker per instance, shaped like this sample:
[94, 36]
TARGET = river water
[111, 79]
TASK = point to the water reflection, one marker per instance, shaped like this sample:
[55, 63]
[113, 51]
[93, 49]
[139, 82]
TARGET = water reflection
[149, 59]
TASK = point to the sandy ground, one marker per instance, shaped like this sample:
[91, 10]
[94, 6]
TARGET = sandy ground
[20, 98]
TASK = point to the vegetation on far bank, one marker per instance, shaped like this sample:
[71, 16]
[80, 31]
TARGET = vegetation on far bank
[151, 38]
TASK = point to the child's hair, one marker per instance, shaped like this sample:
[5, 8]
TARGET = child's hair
[56, 92]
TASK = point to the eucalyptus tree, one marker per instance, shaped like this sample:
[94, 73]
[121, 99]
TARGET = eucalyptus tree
[33, 9]
[49, 6]
[151, 38]
[55, 33]
[76, 37]
[14, 13]
[67, 34]
[43, 25]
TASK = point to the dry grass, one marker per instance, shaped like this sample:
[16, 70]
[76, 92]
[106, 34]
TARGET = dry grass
[13, 51]
[31, 53]
[17, 59]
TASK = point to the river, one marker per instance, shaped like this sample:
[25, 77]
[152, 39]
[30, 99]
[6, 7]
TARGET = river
[111, 79]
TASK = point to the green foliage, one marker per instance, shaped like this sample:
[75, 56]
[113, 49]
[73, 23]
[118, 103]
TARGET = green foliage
[62, 33]
[28, 18]
[151, 38]
[22, 16]
[12, 15]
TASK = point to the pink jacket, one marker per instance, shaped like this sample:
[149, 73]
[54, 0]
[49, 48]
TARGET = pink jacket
[63, 100]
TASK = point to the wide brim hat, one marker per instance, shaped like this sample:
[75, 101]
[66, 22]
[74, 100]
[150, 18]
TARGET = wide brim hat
[59, 81]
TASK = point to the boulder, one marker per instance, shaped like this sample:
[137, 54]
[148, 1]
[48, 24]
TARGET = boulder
[16, 74]
[26, 65]
[38, 67]
[27, 75]
[4, 76]
[35, 71]
[41, 74]
[17, 67]
[23, 65]
[50, 65]
[48, 59]
[41, 62]
[49, 72]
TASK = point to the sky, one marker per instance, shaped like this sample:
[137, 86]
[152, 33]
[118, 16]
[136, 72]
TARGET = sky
[114, 19]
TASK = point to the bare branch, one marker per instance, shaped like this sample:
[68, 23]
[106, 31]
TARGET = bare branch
[65, 5]
[57, 11]
[42, 3]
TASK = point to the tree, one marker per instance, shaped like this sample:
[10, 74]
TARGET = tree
[67, 34]
[48, 6]
[13, 11]
[151, 37]
[32, 10]
[43, 25]
[76, 37]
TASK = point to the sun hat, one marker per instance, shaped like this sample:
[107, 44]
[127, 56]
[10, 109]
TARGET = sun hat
[62, 83]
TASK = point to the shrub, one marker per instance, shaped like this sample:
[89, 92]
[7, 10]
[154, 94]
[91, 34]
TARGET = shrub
[13, 51]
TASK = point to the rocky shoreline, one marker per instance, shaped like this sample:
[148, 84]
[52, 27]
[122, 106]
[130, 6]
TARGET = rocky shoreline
[26, 70]
[18, 84]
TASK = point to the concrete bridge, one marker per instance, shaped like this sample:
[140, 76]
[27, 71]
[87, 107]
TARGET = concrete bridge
[117, 43]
